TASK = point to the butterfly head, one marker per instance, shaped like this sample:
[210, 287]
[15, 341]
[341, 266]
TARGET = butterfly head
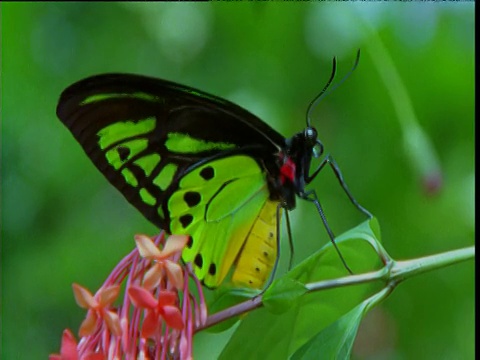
[303, 146]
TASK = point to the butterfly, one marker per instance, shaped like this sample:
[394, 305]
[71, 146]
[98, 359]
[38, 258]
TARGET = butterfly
[196, 164]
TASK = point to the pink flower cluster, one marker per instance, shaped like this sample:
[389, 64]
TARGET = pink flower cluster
[158, 315]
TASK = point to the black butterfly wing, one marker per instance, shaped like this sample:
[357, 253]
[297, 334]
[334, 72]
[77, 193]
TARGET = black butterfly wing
[144, 134]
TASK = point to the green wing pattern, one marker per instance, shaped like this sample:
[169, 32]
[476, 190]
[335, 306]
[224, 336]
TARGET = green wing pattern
[217, 204]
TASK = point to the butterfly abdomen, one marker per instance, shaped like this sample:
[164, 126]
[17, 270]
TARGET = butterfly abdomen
[257, 257]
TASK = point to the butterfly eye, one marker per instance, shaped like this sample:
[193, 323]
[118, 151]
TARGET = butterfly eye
[317, 149]
[311, 134]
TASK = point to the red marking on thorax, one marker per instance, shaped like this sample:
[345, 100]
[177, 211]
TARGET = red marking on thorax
[287, 171]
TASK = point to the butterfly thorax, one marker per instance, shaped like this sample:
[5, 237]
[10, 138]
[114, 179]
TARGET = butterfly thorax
[294, 164]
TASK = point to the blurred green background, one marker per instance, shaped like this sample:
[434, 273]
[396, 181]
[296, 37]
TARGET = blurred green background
[62, 222]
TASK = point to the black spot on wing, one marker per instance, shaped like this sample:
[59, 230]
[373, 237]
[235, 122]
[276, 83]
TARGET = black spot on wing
[190, 242]
[192, 198]
[198, 260]
[207, 173]
[186, 220]
[212, 269]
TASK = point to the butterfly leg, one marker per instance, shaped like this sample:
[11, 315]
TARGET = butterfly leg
[338, 174]
[312, 196]
[289, 233]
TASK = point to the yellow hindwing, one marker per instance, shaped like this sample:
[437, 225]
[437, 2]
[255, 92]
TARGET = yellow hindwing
[257, 257]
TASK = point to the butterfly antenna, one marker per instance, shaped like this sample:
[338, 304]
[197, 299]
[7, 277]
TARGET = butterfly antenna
[320, 96]
[324, 91]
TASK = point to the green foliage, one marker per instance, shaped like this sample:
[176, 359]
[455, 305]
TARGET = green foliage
[63, 223]
[315, 324]
[283, 294]
[336, 340]
[305, 315]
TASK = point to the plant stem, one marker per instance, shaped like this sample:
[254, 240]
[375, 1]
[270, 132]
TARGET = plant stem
[404, 269]
[392, 274]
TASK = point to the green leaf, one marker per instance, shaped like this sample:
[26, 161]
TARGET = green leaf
[282, 295]
[311, 313]
[336, 340]
[375, 227]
